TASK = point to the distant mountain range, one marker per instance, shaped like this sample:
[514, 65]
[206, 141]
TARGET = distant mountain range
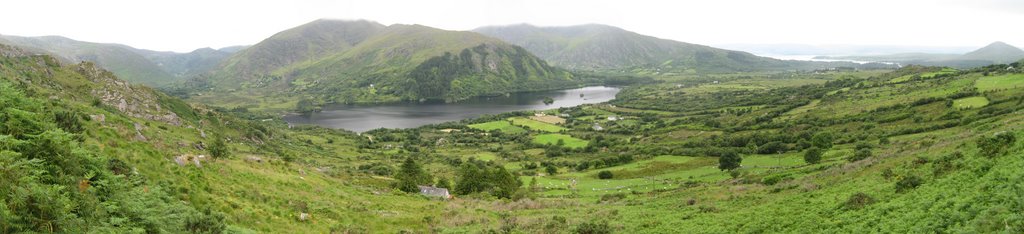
[841, 49]
[154, 68]
[364, 61]
[602, 47]
[995, 53]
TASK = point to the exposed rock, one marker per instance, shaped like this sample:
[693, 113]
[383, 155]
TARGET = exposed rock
[185, 159]
[254, 159]
[132, 100]
[99, 118]
[138, 132]
[304, 216]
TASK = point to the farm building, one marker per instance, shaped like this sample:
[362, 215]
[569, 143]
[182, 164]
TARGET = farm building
[432, 191]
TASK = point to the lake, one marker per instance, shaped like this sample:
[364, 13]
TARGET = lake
[361, 118]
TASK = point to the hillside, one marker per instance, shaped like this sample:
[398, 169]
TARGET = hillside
[360, 61]
[602, 47]
[186, 65]
[809, 152]
[995, 53]
[153, 68]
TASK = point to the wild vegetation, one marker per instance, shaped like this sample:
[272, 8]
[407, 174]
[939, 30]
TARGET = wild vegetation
[837, 150]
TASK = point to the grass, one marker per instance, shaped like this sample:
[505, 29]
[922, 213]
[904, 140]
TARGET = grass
[990, 83]
[501, 125]
[970, 102]
[928, 75]
[552, 139]
[536, 125]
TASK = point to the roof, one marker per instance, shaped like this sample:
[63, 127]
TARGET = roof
[434, 191]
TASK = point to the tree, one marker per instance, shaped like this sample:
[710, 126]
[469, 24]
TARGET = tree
[443, 183]
[813, 155]
[505, 184]
[471, 179]
[822, 140]
[305, 105]
[219, 149]
[410, 176]
[533, 184]
[604, 175]
[551, 169]
[729, 160]
[548, 100]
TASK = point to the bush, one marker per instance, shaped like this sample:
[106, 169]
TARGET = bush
[822, 140]
[997, 144]
[908, 183]
[612, 197]
[729, 160]
[205, 222]
[775, 179]
[857, 201]
[813, 155]
[593, 227]
[861, 154]
[218, 149]
[604, 175]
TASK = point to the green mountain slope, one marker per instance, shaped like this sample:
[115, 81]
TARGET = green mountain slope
[361, 61]
[997, 52]
[185, 65]
[597, 47]
[84, 152]
[153, 68]
[122, 60]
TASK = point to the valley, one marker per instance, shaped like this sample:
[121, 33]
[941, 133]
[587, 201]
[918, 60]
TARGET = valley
[355, 126]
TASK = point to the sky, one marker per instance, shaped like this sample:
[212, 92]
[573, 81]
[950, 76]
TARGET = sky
[185, 25]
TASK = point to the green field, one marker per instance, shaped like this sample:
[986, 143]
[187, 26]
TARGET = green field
[552, 139]
[502, 125]
[989, 83]
[970, 102]
[927, 75]
[536, 125]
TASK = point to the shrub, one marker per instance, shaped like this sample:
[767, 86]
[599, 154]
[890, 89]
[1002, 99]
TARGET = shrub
[604, 175]
[861, 154]
[997, 144]
[612, 197]
[205, 222]
[775, 179]
[813, 155]
[822, 140]
[729, 160]
[593, 227]
[69, 121]
[908, 183]
[218, 149]
[857, 201]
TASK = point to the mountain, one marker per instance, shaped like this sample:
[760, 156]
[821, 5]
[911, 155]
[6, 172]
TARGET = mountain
[602, 47]
[82, 151]
[995, 53]
[182, 65]
[841, 49]
[363, 61]
[154, 68]
[119, 59]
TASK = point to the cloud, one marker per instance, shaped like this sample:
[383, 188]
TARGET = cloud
[183, 25]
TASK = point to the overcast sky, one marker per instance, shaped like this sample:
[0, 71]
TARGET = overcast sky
[184, 25]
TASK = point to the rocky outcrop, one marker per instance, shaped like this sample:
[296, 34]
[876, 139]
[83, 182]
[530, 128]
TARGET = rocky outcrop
[132, 100]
